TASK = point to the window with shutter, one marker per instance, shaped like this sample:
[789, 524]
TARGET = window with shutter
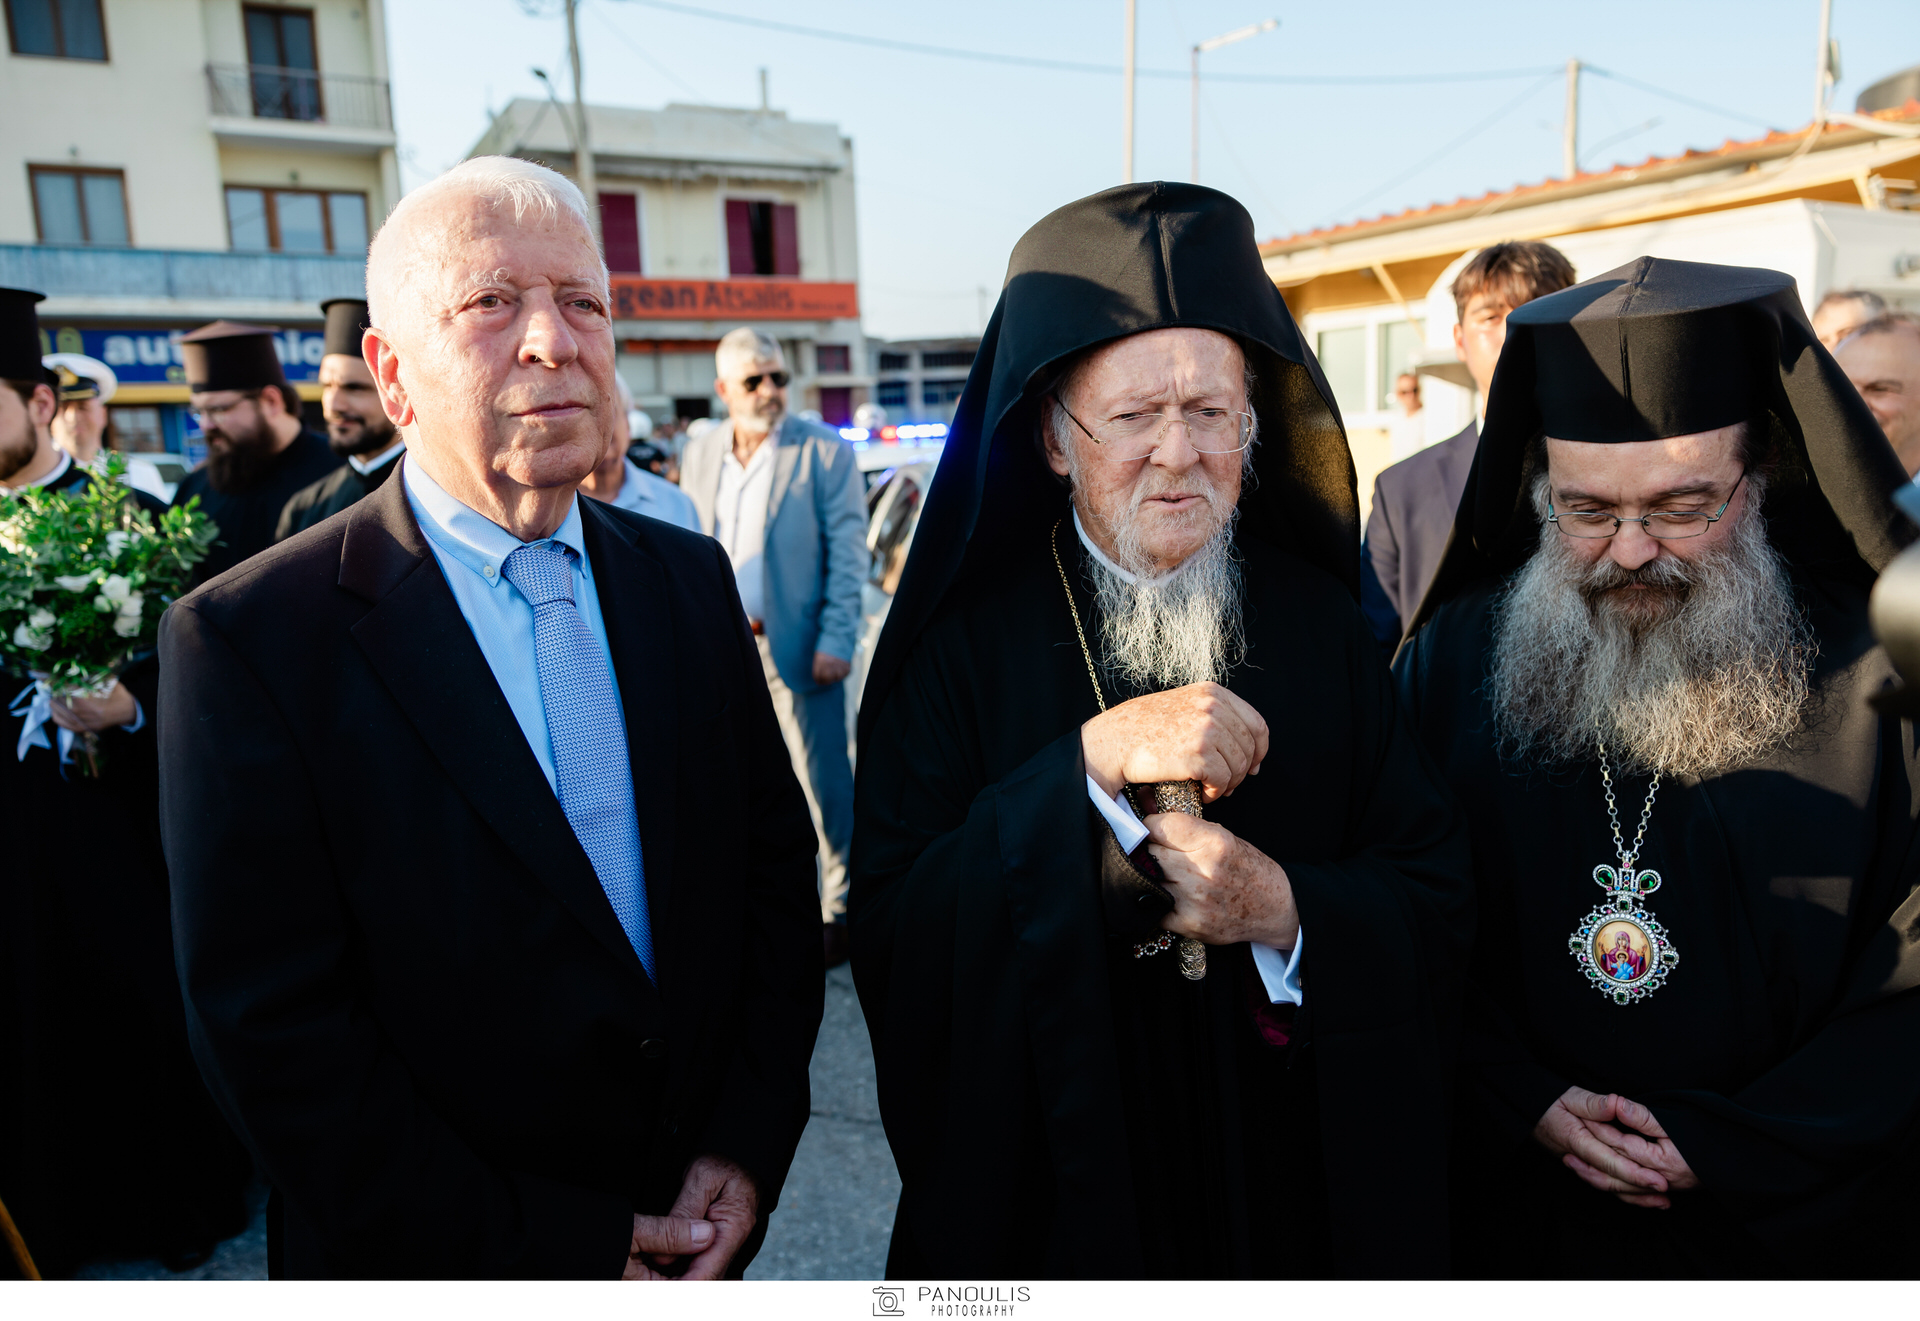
[786, 240]
[620, 232]
[740, 237]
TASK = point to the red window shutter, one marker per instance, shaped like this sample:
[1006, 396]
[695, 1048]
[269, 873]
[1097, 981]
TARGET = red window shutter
[786, 240]
[739, 238]
[836, 405]
[620, 232]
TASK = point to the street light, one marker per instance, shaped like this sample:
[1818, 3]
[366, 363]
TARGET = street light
[1215, 43]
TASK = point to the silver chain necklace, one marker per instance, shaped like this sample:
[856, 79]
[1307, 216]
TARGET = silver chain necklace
[1622, 949]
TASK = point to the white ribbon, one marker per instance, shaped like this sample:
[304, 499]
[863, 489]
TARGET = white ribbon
[39, 714]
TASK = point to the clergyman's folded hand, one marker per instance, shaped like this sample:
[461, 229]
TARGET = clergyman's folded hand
[1584, 1129]
[1224, 889]
[1199, 732]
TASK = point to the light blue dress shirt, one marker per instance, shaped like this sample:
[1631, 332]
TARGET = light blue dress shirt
[470, 548]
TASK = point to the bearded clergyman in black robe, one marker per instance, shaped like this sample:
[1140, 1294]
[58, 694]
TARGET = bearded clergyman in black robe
[109, 1142]
[1646, 670]
[259, 452]
[1115, 1038]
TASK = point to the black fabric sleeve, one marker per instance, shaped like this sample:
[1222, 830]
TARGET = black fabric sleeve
[1505, 1087]
[764, 1103]
[297, 1062]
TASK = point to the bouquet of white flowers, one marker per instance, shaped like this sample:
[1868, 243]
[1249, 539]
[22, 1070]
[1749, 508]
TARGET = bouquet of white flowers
[83, 582]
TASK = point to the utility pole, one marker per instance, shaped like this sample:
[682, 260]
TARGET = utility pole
[764, 107]
[1215, 43]
[588, 178]
[1126, 113]
[1570, 149]
[1823, 76]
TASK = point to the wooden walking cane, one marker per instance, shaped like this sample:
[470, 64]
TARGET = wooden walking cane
[11, 1232]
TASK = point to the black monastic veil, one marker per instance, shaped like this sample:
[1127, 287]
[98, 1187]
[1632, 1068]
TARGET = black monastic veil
[1779, 1054]
[1058, 1107]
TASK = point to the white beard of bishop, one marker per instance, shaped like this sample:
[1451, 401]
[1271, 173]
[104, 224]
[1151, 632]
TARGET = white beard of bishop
[1179, 628]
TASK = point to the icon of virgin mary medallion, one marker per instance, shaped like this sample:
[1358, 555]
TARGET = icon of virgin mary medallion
[1620, 946]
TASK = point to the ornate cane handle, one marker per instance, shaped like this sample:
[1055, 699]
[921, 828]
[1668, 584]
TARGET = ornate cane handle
[1182, 796]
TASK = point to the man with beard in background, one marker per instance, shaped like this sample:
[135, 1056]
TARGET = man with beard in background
[1127, 1025]
[357, 427]
[1694, 837]
[258, 453]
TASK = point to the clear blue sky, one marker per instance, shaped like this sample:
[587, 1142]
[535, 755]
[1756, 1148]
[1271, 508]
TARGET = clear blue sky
[956, 158]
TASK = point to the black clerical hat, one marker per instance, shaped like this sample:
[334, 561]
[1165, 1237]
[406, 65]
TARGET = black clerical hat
[229, 355]
[20, 336]
[1139, 257]
[1662, 348]
[346, 319]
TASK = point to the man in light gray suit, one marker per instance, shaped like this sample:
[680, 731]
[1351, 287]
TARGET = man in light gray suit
[792, 515]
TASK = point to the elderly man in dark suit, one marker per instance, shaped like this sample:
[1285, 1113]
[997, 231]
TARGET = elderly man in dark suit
[1414, 500]
[547, 1013]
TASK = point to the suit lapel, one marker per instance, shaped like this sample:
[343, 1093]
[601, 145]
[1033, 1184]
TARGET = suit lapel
[785, 457]
[420, 644]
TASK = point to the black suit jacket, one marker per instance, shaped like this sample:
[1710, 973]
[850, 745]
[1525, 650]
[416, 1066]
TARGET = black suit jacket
[404, 984]
[1412, 517]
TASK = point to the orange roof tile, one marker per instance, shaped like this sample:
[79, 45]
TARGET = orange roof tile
[1584, 179]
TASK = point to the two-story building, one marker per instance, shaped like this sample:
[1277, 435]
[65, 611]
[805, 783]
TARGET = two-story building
[170, 162]
[713, 218]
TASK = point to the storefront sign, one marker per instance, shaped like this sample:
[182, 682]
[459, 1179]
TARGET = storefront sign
[636, 298]
[148, 355]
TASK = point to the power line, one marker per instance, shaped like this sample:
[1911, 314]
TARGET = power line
[1458, 142]
[1071, 66]
[1673, 96]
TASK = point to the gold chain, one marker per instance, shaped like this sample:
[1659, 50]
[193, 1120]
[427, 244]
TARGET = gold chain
[1086, 653]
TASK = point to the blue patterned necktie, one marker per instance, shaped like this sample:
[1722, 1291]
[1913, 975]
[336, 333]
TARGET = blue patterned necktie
[591, 774]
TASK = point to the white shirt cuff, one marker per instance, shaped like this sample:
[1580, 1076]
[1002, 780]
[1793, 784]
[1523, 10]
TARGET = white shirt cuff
[1118, 813]
[139, 718]
[1280, 970]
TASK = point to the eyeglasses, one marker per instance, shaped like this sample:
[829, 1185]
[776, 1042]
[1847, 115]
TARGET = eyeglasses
[779, 379]
[214, 412]
[1133, 436]
[1589, 524]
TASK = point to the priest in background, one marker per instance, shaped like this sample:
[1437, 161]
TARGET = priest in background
[1115, 1041]
[1647, 673]
[109, 1143]
[258, 453]
[357, 427]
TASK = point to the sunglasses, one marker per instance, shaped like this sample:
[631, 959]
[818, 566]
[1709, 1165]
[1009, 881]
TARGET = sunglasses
[779, 379]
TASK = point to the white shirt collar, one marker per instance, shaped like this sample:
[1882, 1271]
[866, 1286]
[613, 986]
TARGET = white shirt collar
[472, 538]
[59, 471]
[378, 461]
[1106, 563]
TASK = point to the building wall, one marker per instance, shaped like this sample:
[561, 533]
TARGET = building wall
[143, 111]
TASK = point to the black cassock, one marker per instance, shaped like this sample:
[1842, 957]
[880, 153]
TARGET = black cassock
[1780, 1053]
[109, 1143]
[342, 488]
[1057, 1106]
[247, 519]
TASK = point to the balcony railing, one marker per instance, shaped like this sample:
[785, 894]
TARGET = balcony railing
[260, 91]
[147, 273]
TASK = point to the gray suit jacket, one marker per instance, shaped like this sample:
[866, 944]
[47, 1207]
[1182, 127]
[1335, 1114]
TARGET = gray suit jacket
[816, 553]
[1413, 507]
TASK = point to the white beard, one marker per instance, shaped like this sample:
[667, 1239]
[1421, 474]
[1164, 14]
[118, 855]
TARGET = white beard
[1704, 672]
